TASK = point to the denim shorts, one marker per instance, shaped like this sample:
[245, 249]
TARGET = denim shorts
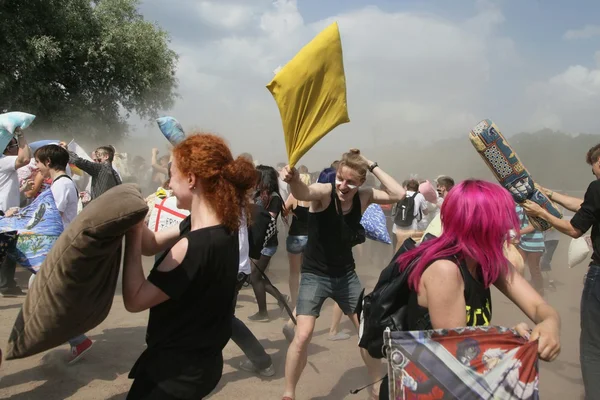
[296, 244]
[315, 289]
[269, 251]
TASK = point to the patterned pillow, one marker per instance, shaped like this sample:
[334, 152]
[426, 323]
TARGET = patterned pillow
[375, 224]
[39, 226]
[172, 129]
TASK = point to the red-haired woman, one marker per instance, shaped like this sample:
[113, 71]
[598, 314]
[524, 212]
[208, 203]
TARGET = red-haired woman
[454, 272]
[191, 289]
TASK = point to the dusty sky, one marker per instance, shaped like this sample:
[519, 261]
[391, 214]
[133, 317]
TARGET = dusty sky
[419, 70]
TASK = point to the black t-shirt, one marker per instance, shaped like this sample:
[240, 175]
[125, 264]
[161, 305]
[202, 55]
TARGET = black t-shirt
[274, 207]
[191, 328]
[477, 298]
[588, 217]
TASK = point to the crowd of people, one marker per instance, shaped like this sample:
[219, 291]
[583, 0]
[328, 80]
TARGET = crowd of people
[214, 252]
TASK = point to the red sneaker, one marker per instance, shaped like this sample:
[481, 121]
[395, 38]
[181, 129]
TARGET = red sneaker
[78, 351]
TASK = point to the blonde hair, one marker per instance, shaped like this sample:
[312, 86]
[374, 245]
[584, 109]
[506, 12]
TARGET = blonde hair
[305, 178]
[355, 162]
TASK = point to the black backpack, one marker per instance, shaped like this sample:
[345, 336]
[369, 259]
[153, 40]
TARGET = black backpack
[404, 211]
[386, 306]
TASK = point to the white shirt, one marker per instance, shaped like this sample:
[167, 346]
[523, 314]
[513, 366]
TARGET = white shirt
[9, 183]
[66, 199]
[244, 247]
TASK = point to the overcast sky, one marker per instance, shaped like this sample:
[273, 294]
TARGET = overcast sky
[421, 68]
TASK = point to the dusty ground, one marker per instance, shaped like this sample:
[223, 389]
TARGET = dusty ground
[334, 367]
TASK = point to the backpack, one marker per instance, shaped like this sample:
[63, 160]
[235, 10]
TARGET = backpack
[386, 306]
[404, 211]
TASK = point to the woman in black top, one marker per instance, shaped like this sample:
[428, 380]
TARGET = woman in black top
[450, 276]
[296, 242]
[267, 196]
[190, 291]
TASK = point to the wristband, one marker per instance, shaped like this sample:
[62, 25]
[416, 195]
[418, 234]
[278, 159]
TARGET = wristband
[373, 166]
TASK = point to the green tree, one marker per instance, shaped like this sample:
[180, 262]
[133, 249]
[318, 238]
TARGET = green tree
[83, 66]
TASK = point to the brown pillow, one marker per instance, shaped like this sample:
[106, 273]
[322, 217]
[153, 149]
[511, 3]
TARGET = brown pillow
[74, 289]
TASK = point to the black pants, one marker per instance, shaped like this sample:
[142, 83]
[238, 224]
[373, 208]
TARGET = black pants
[7, 274]
[145, 388]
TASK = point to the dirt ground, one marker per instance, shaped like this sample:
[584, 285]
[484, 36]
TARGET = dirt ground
[334, 368]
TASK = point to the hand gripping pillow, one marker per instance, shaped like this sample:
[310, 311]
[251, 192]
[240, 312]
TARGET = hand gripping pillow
[373, 220]
[39, 226]
[509, 170]
[11, 121]
[74, 289]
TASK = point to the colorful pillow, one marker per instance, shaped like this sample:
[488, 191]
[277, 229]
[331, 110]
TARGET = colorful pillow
[39, 226]
[375, 224]
[11, 121]
[172, 129]
[165, 214]
[485, 362]
[75, 287]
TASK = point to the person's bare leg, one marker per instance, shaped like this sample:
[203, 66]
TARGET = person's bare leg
[297, 354]
[294, 279]
[334, 329]
[373, 364]
[533, 260]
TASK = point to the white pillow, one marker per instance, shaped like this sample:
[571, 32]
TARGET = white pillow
[579, 250]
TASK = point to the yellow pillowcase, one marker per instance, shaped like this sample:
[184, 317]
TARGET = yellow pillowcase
[310, 92]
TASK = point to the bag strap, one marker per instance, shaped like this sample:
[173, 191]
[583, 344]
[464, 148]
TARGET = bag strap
[69, 178]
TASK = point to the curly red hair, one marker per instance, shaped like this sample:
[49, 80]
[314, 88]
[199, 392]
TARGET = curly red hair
[226, 183]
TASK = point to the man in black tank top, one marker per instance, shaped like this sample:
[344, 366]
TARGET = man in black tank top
[328, 268]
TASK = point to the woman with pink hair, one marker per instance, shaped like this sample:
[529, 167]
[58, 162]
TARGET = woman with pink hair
[451, 275]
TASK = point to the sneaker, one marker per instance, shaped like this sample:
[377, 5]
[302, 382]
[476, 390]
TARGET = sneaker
[12, 292]
[78, 351]
[249, 366]
[260, 317]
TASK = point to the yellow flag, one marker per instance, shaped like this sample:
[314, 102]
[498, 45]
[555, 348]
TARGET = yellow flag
[310, 92]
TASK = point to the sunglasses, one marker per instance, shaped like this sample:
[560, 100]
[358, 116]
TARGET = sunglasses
[12, 146]
[340, 182]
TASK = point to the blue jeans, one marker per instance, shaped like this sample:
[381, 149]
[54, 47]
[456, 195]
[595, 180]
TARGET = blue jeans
[589, 341]
[315, 289]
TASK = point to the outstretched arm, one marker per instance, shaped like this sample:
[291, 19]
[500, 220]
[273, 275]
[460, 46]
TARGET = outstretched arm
[547, 320]
[301, 191]
[568, 202]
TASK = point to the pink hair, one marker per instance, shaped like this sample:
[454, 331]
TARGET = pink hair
[476, 219]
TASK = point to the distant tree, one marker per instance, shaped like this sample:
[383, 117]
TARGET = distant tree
[83, 66]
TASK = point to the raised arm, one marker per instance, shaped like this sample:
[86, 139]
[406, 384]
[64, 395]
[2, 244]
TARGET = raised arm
[392, 191]
[547, 320]
[302, 192]
[24, 154]
[156, 166]
[89, 167]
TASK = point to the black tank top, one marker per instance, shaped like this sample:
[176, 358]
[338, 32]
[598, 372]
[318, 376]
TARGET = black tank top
[299, 225]
[477, 298]
[326, 252]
